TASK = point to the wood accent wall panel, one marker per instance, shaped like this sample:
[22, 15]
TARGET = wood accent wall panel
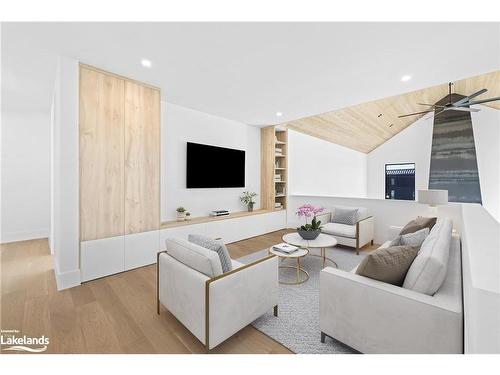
[267, 168]
[101, 118]
[142, 158]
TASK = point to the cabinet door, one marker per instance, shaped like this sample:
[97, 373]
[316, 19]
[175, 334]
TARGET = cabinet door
[101, 155]
[142, 158]
[141, 249]
[102, 257]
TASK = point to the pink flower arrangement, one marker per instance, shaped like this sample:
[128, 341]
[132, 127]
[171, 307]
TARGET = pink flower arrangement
[308, 210]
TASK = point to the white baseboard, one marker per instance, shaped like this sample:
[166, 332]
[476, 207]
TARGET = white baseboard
[24, 235]
[65, 280]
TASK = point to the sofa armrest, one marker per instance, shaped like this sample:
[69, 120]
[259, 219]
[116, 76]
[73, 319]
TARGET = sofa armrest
[364, 231]
[375, 317]
[325, 217]
[237, 298]
[182, 291]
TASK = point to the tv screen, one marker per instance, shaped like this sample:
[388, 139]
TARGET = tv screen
[214, 167]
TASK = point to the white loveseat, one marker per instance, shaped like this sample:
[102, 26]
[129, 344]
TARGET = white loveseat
[375, 317]
[211, 304]
[357, 235]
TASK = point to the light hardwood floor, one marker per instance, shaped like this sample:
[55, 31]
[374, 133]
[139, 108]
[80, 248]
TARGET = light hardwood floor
[115, 314]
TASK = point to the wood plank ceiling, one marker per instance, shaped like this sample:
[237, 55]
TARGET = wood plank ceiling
[366, 126]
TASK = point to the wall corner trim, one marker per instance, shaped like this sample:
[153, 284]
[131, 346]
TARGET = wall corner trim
[66, 280]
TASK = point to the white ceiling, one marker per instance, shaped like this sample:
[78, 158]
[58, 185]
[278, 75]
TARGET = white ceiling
[249, 71]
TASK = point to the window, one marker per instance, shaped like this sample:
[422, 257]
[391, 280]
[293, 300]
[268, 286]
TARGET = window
[400, 181]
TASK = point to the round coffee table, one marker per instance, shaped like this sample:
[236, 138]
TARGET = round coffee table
[321, 242]
[295, 255]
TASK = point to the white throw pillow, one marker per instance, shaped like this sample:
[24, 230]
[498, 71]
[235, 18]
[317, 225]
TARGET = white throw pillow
[428, 270]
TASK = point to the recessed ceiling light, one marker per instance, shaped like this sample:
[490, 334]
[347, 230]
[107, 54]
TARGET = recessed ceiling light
[279, 114]
[146, 63]
[405, 78]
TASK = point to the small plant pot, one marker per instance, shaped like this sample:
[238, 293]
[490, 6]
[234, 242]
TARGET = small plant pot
[309, 234]
[250, 207]
[181, 216]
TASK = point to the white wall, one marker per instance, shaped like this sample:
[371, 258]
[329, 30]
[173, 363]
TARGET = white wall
[181, 125]
[65, 169]
[481, 279]
[412, 145]
[486, 125]
[319, 167]
[25, 176]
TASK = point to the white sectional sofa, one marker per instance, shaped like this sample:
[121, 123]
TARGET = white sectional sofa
[375, 317]
[211, 304]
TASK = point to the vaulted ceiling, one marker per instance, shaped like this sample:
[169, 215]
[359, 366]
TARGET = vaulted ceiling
[366, 126]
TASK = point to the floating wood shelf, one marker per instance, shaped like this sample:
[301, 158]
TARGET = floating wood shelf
[207, 219]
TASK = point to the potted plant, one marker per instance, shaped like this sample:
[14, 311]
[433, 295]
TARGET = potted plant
[181, 213]
[309, 231]
[248, 199]
[188, 216]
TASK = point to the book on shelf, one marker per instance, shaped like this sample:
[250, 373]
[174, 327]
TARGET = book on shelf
[285, 248]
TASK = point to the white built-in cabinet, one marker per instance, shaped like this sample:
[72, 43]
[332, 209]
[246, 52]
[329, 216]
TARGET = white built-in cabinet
[111, 255]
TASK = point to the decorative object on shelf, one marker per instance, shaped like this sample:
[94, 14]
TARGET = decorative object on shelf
[248, 199]
[188, 215]
[181, 213]
[309, 231]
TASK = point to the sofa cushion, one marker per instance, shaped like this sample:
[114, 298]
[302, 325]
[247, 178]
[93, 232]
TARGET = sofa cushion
[388, 264]
[428, 270]
[347, 216]
[419, 223]
[342, 230]
[411, 239]
[214, 245]
[194, 256]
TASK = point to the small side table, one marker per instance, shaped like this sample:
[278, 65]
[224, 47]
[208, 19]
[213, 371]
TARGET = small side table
[300, 253]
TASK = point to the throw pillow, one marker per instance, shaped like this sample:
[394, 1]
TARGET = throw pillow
[419, 223]
[214, 245]
[389, 264]
[347, 216]
[428, 271]
[411, 239]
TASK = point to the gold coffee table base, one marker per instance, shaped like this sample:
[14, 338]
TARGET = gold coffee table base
[299, 270]
[324, 257]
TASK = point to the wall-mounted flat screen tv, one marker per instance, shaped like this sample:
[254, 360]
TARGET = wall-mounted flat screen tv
[214, 167]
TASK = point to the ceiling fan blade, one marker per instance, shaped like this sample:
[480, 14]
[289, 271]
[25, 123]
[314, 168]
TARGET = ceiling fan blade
[416, 113]
[468, 98]
[431, 105]
[484, 100]
[463, 109]
[438, 113]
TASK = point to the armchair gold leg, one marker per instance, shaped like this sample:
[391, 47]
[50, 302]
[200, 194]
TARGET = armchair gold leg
[275, 310]
[371, 242]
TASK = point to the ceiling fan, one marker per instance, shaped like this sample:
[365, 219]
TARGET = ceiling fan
[460, 105]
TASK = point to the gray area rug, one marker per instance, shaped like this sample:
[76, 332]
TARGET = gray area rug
[297, 326]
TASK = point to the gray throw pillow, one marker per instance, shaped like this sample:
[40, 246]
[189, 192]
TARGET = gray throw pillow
[389, 264]
[411, 239]
[419, 223]
[214, 245]
[347, 216]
